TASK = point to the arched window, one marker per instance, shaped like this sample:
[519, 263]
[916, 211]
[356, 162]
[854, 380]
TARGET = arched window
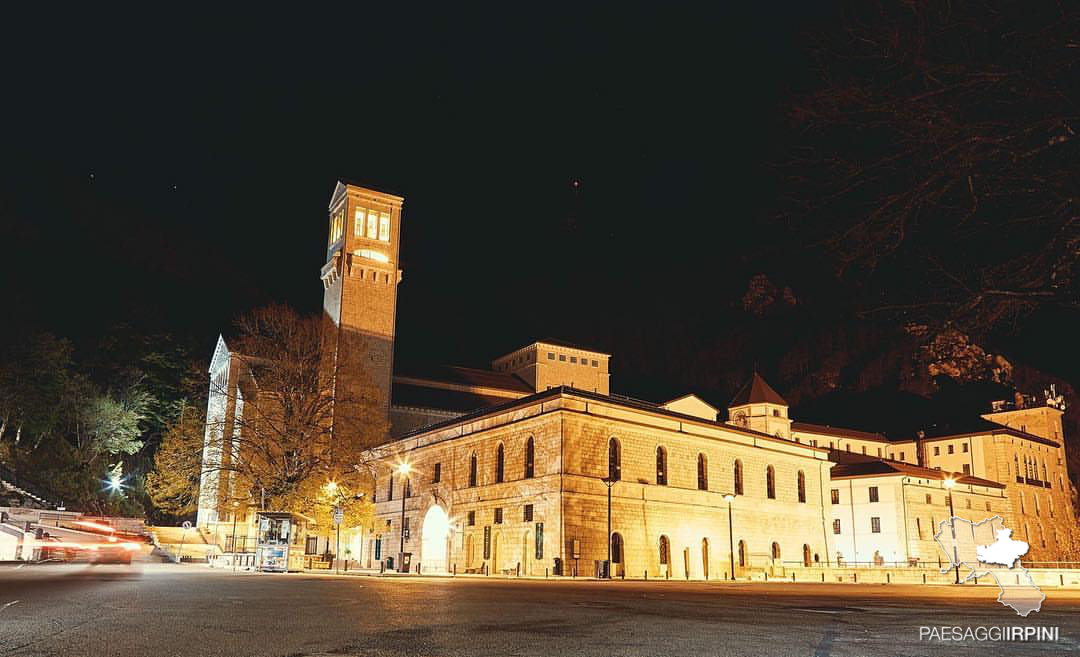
[472, 470]
[614, 460]
[1016, 464]
[390, 486]
[742, 554]
[530, 458]
[806, 555]
[665, 551]
[661, 466]
[738, 477]
[1044, 477]
[500, 461]
[802, 487]
[616, 548]
[702, 472]
[770, 482]
[775, 550]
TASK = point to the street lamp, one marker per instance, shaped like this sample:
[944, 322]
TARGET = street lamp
[403, 469]
[729, 498]
[609, 481]
[235, 506]
[949, 484]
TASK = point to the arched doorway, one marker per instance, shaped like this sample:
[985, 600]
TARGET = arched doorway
[433, 540]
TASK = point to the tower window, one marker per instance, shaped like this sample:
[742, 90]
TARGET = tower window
[551, 356]
[372, 224]
[836, 526]
[358, 223]
[835, 495]
[875, 525]
[952, 449]
[573, 359]
[471, 518]
[528, 513]
[595, 364]
[873, 493]
[498, 516]
[384, 226]
[562, 357]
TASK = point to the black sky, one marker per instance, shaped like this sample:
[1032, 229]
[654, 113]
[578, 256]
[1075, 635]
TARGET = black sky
[178, 167]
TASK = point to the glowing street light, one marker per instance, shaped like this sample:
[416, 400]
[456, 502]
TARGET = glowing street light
[949, 484]
[404, 470]
[729, 498]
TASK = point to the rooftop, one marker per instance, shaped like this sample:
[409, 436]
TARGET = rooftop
[880, 467]
[757, 391]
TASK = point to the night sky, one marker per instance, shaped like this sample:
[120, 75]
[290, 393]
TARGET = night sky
[566, 173]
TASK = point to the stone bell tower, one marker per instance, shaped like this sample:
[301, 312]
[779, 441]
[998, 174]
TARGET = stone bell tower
[360, 280]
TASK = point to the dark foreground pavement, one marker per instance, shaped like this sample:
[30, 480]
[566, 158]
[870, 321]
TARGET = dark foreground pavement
[161, 610]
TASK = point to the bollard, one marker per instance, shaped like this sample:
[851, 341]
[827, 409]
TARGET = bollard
[518, 569]
[646, 575]
[855, 578]
[667, 575]
[822, 577]
[924, 578]
[766, 577]
[793, 577]
[455, 569]
[545, 573]
[1062, 579]
[624, 573]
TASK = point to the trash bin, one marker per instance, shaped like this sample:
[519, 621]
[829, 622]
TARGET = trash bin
[602, 568]
[406, 562]
[389, 563]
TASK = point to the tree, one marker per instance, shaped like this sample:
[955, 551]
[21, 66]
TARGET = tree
[279, 435]
[934, 158]
[173, 484]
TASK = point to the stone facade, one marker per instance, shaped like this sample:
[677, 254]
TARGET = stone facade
[571, 432]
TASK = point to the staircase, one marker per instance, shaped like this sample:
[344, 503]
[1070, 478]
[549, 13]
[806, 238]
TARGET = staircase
[194, 543]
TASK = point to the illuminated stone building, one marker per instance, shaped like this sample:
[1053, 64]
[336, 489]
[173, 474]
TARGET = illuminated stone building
[509, 468]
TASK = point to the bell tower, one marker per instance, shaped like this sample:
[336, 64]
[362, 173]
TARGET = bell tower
[360, 280]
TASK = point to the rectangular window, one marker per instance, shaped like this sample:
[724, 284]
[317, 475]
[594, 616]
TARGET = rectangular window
[813, 442]
[471, 518]
[378, 547]
[311, 546]
[988, 507]
[551, 356]
[929, 499]
[918, 527]
[937, 450]
[952, 449]
[487, 542]
[498, 516]
[390, 487]
[864, 450]
[358, 223]
[967, 468]
[405, 527]
[595, 364]
[539, 540]
[967, 503]
[384, 226]
[436, 476]
[875, 525]
[964, 448]
[873, 493]
[901, 456]
[528, 513]
[836, 526]
[562, 358]
[836, 496]
[372, 224]
[573, 359]
[879, 452]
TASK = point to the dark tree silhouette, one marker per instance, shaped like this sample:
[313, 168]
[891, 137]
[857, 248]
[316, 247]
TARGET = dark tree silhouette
[934, 158]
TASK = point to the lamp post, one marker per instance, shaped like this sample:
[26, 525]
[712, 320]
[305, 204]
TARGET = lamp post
[609, 481]
[403, 469]
[729, 498]
[236, 505]
[949, 483]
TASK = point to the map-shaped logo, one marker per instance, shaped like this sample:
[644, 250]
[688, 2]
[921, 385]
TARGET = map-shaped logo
[987, 548]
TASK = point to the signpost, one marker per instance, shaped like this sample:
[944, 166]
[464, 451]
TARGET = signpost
[183, 535]
[339, 517]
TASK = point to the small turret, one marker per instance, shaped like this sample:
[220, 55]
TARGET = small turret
[760, 408]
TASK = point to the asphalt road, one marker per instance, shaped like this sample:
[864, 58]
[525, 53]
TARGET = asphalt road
[164, 609]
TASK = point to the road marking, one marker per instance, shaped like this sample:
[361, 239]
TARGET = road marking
[13, 602]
